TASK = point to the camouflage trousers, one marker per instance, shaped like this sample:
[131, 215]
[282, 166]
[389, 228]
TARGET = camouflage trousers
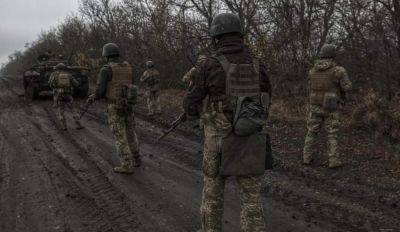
[316, 119]
[153, 102]
[123, 127]
[64, 102]
[250, 187]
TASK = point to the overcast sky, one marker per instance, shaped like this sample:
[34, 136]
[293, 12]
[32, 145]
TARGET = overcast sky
[22, 20]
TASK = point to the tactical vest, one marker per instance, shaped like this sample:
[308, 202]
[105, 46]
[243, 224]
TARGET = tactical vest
[64, 80]
[242, 80]
[322, 82]
[121, 78]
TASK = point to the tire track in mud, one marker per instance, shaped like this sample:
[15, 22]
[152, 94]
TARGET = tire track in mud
[148, 190]
[112, 202]
[305, 194]
[93, 207]
[186, 158]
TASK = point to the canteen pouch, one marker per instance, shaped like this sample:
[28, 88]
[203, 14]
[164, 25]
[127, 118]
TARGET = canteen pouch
[331, 102]
[243, 155]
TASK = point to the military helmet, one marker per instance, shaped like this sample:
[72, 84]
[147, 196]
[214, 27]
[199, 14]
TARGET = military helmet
[60, 66]
[327, 51]
[149, 64]
[226, 23]
[110, 49]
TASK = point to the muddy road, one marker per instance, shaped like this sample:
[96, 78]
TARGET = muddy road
[53, 180]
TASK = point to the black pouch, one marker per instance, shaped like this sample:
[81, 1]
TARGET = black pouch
[331, 102]
[243, 155]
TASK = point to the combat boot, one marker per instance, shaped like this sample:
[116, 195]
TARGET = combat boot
[126, 168]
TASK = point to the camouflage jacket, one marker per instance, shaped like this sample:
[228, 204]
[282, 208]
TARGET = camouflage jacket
[340, 73]
[53, 83]
[104, 77]
[151, 78]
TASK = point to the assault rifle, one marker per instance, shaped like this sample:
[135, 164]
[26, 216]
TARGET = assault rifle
[175, 123]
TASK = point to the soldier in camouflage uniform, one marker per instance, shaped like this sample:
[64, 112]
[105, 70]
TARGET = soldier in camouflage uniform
[151, 79]
[63, 83]
[190, 75]
[208, 99]
[114, 80]
[328, 84]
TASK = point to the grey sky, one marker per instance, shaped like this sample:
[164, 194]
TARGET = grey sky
[22, 20]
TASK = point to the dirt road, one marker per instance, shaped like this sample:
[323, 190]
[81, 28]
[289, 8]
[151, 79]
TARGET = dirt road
[51, 180]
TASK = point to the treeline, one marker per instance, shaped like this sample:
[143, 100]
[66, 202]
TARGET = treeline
[286, 34]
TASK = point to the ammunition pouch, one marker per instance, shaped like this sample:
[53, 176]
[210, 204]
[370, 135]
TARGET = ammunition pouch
[331, 102]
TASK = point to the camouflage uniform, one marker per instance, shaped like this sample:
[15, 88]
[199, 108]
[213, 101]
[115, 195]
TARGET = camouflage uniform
[205, 99]
[151, 79]
[250, 187]
[319, 116]
[123, 128]
[190, 75]
[120, 114]
[63, 97]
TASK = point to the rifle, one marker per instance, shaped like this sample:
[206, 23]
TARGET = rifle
[175, 123]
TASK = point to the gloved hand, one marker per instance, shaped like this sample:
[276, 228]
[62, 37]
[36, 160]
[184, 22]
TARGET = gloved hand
[91, 98]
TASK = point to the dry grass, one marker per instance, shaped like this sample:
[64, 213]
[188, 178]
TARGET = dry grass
[280, 109]
[284, 110]
[172, 99]
[378, 115]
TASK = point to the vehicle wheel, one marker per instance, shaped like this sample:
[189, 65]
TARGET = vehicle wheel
[31, 93]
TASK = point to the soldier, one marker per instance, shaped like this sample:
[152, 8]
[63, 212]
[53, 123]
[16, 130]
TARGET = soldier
[151, 79]
[63, 83]
[230, 74]
[328, 85]
[115, 84]
[189, 76]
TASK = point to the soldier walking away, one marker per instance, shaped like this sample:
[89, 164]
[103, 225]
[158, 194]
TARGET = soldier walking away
[228, 95]
[115, 84]
[328, 85]
[62, 82]
[151, 79]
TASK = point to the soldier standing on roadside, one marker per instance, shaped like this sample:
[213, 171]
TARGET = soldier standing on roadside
[63, 83]
[328, 85]
[228, 82]
[115, 84]
[151, 78]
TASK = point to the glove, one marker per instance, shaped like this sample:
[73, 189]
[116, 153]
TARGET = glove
[91, 98]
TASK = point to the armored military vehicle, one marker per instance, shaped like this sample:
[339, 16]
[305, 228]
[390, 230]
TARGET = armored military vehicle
[37, 77]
